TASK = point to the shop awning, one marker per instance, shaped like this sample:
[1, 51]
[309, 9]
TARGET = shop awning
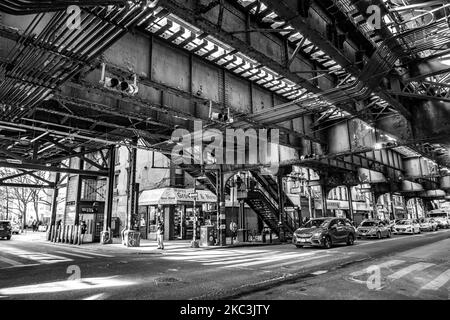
[168, 196]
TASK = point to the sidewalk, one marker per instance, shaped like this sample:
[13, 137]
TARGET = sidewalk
[146, 245]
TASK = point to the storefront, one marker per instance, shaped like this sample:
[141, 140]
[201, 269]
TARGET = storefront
[175, 207]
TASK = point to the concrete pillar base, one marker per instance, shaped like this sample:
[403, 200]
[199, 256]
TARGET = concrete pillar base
[106, 237]
[131, 238]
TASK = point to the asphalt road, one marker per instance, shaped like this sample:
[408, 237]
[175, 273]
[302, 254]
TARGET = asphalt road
[408, 267]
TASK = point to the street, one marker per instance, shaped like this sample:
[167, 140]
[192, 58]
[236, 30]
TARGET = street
[403, 267]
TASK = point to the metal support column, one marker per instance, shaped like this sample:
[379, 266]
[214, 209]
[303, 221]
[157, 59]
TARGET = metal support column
[106, 237]
[132, 236]
[281, 206]
[132, 188]
[324, 193]
[222, 217]
[350, 203]
[54, 208]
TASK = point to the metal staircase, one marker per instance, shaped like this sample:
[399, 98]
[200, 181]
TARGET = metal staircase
[263, 199]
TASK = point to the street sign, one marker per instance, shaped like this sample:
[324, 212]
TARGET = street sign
[193, 195]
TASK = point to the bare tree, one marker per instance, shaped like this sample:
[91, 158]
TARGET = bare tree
[21, 197]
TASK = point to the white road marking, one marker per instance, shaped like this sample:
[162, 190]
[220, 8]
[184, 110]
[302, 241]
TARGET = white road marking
[414, 267]
[273, 266]
[74, 254]
[10, 261]
[262, 261]
[39, 257]
[81, 251]
[439, 282]
[318, 273]
[387, 264]
[95, 297]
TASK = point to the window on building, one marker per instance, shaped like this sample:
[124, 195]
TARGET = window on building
[117, 157]
[116, 180]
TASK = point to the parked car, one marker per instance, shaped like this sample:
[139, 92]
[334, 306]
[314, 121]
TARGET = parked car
[407, 226]
[442, 222]
[5, 229]
[428, 224]
[15, 228]
[325, 232]
[373, 229]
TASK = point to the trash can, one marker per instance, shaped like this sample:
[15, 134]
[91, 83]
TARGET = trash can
[207, 236]
[242, 235]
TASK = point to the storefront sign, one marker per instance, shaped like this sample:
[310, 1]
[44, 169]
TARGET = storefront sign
[168, 196]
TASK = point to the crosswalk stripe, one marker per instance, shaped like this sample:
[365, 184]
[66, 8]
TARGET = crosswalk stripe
[296, 261]
[74, 254]
[262, 261]
[35, 256]
[438, 282]
[232, 258]
[387, 264]
[414, 267]
[10, 261]
[90, 253]
[249, 259]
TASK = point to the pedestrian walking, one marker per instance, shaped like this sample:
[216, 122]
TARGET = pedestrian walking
[83, 228]
[160, 235]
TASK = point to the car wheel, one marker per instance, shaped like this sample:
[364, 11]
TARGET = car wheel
[327, 243]
[298, 246]
[389, 234]
[8, 238]
[350, 240]
[379, 235]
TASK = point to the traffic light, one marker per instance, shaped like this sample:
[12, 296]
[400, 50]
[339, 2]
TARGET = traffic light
[117, 84]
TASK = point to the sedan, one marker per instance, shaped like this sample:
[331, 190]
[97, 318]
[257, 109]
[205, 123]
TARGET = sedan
[373, 229]
[325, 232]
[428, 224]
[407, 226]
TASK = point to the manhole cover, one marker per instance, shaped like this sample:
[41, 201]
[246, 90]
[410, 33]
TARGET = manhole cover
[167, 280]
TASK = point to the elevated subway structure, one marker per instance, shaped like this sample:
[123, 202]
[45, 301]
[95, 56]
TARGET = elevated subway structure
[358, 106]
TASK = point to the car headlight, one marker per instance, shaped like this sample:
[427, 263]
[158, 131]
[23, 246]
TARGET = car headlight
[317, 234]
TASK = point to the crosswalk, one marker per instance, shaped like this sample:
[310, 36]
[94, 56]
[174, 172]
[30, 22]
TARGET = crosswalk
[13, 257]
[423, 276]
[249, 259]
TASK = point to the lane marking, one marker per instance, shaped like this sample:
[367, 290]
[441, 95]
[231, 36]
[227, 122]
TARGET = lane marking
[415, 267]
[387, 264]
[10, 261]
[95, 297]
[438, 282]
[318, 273]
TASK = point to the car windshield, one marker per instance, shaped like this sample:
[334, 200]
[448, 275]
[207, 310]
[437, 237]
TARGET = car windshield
[368, 224]
[404, 222]
[317, 223]
[4, 224]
